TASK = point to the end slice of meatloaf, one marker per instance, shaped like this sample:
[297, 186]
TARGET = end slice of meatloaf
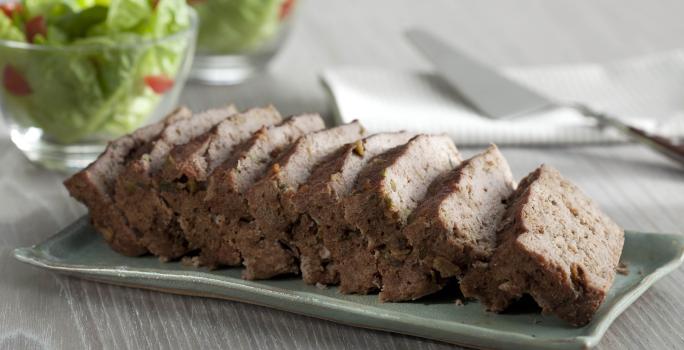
[271, 201]
[556, 245]
[136, 191]
[183, 178]
[389, 188]
[94, 185]
[455, 226]
[321, 235]
[224, 207]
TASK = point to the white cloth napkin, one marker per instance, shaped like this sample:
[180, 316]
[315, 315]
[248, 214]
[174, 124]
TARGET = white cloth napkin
[646, 91]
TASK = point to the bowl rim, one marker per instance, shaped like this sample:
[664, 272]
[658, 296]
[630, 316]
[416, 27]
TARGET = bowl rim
[191, 30]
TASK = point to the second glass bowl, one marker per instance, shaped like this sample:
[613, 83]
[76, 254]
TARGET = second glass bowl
[238, 38]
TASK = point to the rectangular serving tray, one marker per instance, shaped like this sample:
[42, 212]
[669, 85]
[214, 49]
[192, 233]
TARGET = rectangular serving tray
[78, 250]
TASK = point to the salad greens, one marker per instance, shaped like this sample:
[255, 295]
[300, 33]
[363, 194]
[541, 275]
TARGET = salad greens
[232, 26]
[96, 72]
[8, 30]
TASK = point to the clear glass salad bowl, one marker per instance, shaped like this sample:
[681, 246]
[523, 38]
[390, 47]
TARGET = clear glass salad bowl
[238, 38]
[63, 103]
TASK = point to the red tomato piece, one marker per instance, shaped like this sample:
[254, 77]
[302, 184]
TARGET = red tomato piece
[14, 82]
[158, 83]
[35, 26]
[10, 8]
[285, 9]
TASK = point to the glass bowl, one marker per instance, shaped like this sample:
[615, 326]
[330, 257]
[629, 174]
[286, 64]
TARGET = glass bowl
[238, 38]
[63, 103]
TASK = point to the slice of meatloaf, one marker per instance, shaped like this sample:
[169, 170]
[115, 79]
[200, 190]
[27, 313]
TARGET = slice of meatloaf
[94, 185]
[556, 245]
[183, 178]
[389, 188]
[224, 207]
[454, 226]
[137, 189]
[199, 157]
[323, 238]
[269, 251]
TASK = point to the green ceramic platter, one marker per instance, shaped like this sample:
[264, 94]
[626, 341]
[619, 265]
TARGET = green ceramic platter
[79, 251]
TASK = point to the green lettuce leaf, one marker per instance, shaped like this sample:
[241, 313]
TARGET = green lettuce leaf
[170, 16]
[228, 26]
[120, 75]
[49, 8]
[126, 14]
[8, 31]
[76, 25]
[55, 36]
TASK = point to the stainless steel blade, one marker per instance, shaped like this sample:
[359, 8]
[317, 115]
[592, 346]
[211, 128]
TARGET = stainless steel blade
[491, 93]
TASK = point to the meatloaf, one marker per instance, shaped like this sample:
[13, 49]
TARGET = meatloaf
[137, 188]
[183, 178]
[324, 240]
[455, 226]
[556, 245]
[224, 208]
[94, 185]
[389, 188]
[268, 250]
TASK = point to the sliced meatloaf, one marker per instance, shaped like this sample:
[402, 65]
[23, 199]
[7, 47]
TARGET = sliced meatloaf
[94, 185]
[183, 178]
[389, 188]
[556, 245]
[269, 251]
[454, 226]
[199, 157]
[324, 240]
[137, 188]
[218, 216]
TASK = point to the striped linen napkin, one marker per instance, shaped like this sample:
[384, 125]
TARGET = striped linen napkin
[645, 91]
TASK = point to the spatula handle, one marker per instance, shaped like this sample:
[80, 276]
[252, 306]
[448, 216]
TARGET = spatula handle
[660, 144]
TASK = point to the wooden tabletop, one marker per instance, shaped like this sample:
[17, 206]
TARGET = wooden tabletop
[637, 188]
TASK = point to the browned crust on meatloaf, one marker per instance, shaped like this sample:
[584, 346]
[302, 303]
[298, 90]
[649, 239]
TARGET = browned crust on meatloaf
[388, 190]
[137, 189]
[183, 179]
[94, 185]
[454, 226]
[271, 199]
[320, 234]
[199, 157]
[218, 216]
[556, 245]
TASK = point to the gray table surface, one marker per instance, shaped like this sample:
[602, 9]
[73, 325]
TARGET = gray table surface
[637, 188]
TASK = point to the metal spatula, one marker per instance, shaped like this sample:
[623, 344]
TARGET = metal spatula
[496, 96]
